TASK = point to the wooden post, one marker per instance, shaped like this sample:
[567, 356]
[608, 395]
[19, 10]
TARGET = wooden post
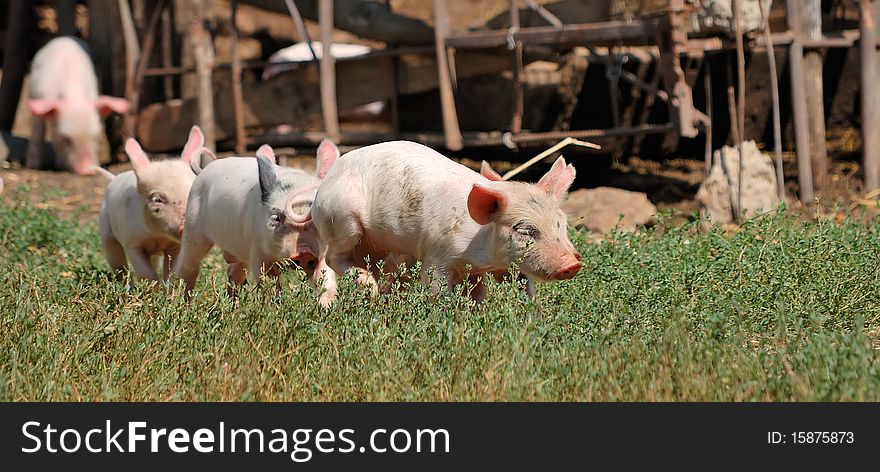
[516, 124]
[870, 98]
[237, 95]
[167, 81]
[740, 105]
[799, 102]
[15, 60]
[707, 82]
[203, 53]
[774, 94]
[106, 40]
[328, 72]
[811, 22]
[132, 48]
[451, 130]
[184, 17]
[134, 84]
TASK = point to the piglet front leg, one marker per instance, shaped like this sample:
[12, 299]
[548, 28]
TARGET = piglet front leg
[325, 278]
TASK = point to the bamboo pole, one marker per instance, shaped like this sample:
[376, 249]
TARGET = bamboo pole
[547, 152]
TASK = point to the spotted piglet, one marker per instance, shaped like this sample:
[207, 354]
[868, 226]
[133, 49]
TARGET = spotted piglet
[258, 213]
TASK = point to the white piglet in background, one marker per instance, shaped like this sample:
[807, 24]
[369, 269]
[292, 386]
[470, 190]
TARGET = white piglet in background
[64, 94]
[404, 200]
[143, 212]
[258, 214]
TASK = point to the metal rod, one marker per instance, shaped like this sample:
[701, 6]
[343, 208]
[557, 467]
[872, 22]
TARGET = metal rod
[550, 17]
[300, 26]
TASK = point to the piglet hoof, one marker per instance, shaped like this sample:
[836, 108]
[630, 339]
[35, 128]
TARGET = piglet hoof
[326, 299]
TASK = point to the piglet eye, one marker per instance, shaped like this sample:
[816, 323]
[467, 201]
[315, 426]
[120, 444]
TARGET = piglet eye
[525, 229]
[276, 218]
[158, 199]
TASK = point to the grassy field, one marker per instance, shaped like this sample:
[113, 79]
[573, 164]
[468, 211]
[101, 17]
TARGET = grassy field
[781, 310]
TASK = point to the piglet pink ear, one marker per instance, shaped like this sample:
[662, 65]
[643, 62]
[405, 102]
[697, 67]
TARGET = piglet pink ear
[139, 160]
[266, 152]
[43, 108]
[484, 203]
[558, 179]
[194, 142]
[327, 155]
[107, 105]
[488, 172]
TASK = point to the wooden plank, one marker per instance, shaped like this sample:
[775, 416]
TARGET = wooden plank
[811, 22]
[640, 30]
[292, 96]
[371, 19]
[328, 72]
[444, 70]
[799, 104]
[870, 11]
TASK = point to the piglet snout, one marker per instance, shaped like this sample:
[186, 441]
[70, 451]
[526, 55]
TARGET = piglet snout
[306, 261]
[84, 169]
[569, 270]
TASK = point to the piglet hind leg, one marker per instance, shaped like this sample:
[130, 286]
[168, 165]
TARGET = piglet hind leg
[436, 276]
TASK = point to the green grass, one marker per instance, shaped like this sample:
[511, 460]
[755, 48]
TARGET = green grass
[781, 310]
